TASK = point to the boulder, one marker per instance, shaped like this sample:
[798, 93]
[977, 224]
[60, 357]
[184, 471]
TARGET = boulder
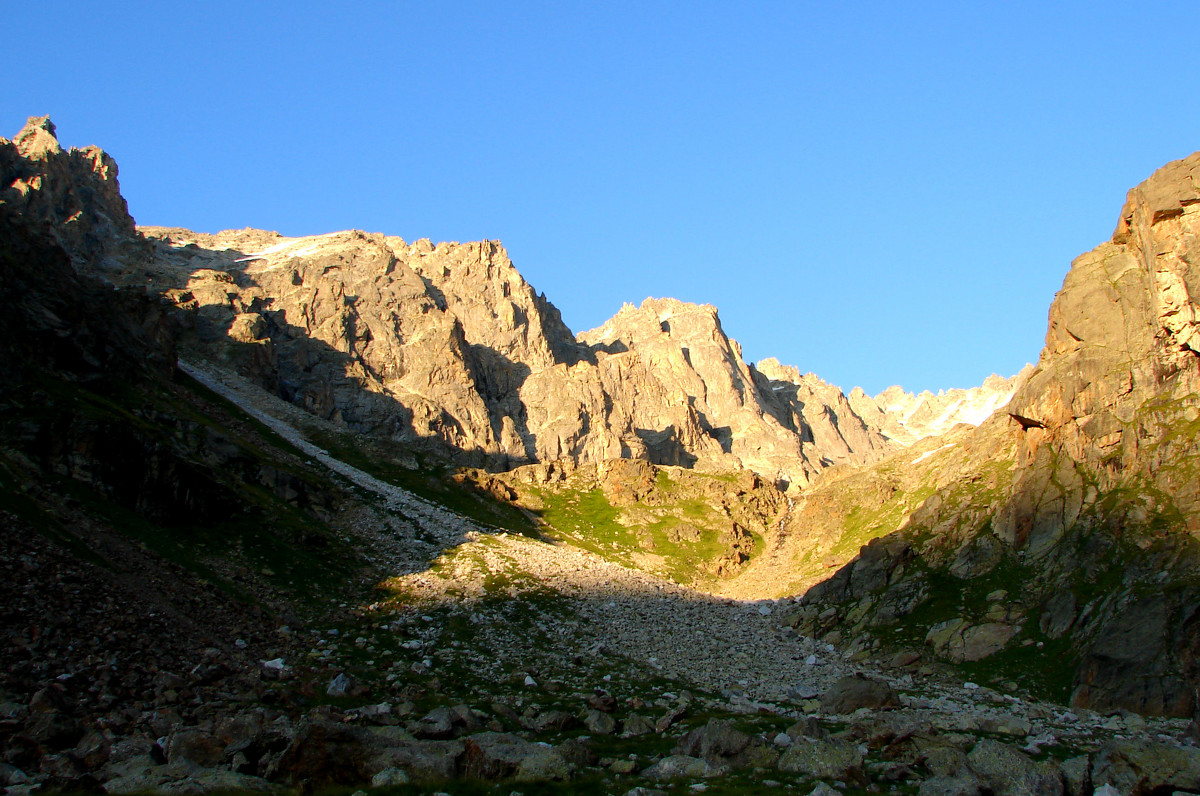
[600, 723]
[1008, 772]
[325, 753]
[499, 755]
[826, 758]
[720, 743]
[195, 746]
[636, 725]
[959, 641]
[185, 778]
[950, 786]
[680, 766]
[1140, 768]
[1077, 776]
[851, 693]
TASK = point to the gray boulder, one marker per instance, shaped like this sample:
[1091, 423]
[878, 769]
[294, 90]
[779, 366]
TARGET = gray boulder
[1139, 768]
[680, 766]
[720, 743]
[1008, 772]
[501, 755]
[851, 693]
[826, 758]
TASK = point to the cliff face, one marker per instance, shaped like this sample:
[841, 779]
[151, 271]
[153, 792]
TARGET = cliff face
[1062, 532]
[447, 347]
[71, 195]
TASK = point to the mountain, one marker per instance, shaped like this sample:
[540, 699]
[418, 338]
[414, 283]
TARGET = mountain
[906, 418]
[240, 548]
[1059, 536]
[447, 349]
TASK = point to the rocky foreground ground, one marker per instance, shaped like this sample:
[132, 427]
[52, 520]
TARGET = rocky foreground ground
[484, 661]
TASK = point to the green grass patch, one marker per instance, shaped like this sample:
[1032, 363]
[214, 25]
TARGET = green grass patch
[678, 535]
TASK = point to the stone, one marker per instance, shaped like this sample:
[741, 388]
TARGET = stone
[1139, 768]
[719, 743]
[550, 721]
[960, 641]
[636, 725]
[183, 778]
[904, 658]
[852, 693]
[679, 767]
[808, 727]
[11, 775]
[339, 686]
[390, 777]
[669, 718]
[578, 753]
[195, 746]
[827, 758]
[602, 700]
[950, 786]
[1008, 772]
[600, 723]
[1058, 615]
[332, 753]
[496, 755]
[437, 724]
[1077, 776]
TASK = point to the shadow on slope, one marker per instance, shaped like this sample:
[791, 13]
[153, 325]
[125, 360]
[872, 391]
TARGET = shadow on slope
[1097, 606]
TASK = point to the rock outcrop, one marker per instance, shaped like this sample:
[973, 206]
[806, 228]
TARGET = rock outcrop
[71, 195]
[1063, 528]
[447, 348]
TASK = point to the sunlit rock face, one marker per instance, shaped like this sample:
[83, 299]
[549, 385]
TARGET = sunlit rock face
[1067, 521]
[446, 346]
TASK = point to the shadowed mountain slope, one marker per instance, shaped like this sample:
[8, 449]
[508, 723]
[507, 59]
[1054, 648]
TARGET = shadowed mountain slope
[1060, 535]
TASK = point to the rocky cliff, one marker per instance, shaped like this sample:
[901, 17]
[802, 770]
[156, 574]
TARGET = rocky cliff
[71, 195]
[447, 349]
[1060, 536]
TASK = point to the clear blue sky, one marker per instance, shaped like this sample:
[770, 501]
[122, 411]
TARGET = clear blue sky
[879, 193]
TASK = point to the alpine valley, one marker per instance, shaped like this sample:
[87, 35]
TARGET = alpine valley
[348, 513]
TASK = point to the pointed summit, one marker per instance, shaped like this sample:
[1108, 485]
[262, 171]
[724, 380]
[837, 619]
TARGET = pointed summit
[37, 139]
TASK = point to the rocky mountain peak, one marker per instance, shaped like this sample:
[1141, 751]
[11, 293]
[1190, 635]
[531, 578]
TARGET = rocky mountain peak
[496, 307]
[906, 417]
[657, 317]
[73, 194]
[37, 139]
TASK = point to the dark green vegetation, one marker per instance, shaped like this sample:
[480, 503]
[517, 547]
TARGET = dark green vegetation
[178, 470]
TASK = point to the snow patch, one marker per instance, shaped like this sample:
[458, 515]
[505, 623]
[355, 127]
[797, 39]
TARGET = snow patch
[927, 454]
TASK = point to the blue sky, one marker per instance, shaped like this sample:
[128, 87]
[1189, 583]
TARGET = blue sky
[878, 192]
